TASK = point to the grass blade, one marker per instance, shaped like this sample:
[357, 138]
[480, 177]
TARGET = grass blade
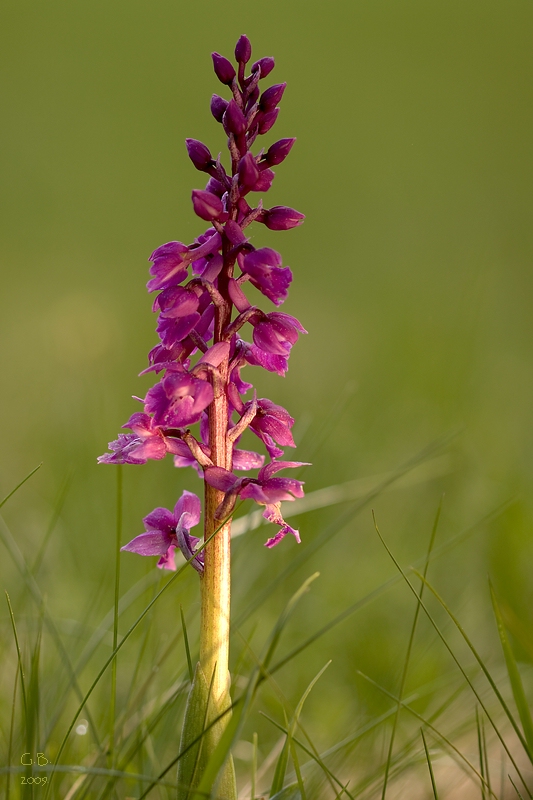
[282, 763]
[362, 602]
[11, 727]
[514, 678]
[186, 641]
[58, 508]
[17, 487]
[449, 649]
[291, 792]
[486, 672]
[35, 592]
[430, 767]
[281, 766]
[515, 787]
[19, 657]
[338, 525]
[481, 754]
[254, 766]
[408, 654]
[427, 723]
[118, 534]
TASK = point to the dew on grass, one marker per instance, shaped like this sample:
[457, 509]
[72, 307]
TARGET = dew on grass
[82, 727]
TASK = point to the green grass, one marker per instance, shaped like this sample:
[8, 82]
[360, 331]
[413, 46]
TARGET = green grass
[133, 706]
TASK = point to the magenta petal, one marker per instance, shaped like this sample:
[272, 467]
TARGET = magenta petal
[160, 519]
[276, 429]
[188, 504]
[273, 514]
[289, 487]
[281, 535]
[167, 560]
[173, 330]
[252, 491]
[215, 354]
[244, 460]
[275, 466]
[154, 448]
[221, 478]
[152, 543]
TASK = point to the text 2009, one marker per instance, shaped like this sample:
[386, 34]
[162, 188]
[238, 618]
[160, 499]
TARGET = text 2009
[31, 779]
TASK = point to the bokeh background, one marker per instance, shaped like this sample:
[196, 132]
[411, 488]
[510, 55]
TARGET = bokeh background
[413, 276]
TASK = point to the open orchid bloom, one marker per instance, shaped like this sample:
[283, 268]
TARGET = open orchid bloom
[166, 530]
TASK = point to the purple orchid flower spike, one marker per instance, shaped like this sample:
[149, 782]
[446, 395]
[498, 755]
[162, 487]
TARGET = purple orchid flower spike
[209, 331]
[201, 309]
[166, 530]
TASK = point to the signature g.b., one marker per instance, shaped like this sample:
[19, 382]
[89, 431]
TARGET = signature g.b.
[27, 759]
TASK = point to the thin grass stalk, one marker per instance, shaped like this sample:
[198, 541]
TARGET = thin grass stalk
[428, 724]
[11, 728]
[408, 654]
[113, 702]
[58, 508]
[119, 646]
[456, 660]
[481, 754]
[486, 672]
[17, 487]
[35, 592]
[430, 766]
[254, 766]
[186, 643]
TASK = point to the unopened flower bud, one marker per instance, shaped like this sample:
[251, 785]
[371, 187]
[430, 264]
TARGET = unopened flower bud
[234, 232]
[218, 106]
[272, 96]
[223, 68]
[281, 218]
[278, 152]
[206, 205]
[248, 171]
[253, 96]
[215, 187]
[199, 154]
[243, 50]
[265, 181]
[266, 64]
[234, 120]
[266, 121]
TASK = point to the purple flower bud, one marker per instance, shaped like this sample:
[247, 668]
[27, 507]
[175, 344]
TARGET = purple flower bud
[218, 106]
[206, 205]
[252, 98]
[234, 232]
[243, 50]
[215, 187]
[266, 64]
[248, 171]
[272, 96]
[267, 120]
[281, 218]
[278, 152]
[234, 120]
[199, 154]
[223, 68]
[265, 181]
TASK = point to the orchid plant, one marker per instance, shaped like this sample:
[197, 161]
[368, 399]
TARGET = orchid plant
[202, 314]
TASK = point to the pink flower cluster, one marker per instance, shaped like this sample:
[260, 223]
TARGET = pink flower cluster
[202, 308]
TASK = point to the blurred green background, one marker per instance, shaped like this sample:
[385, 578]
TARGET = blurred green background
[412, 275]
